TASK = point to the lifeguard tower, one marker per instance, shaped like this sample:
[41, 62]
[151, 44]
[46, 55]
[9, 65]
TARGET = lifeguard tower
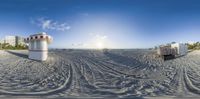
[38, 46]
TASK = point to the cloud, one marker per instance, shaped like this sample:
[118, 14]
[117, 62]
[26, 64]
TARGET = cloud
[101, 37]
[94, 40]
[98, 37]
[79, 45]
[48, 24]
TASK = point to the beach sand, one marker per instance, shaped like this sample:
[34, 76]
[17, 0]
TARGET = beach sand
[94, 73]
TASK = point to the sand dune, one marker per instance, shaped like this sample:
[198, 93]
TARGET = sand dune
[93, 73]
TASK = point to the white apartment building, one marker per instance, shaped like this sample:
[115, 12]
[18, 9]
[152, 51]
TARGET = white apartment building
[10, 40]
[14, 40]
[1, 41]
[19, 40]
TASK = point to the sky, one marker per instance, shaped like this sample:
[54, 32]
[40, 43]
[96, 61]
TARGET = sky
[103, 23]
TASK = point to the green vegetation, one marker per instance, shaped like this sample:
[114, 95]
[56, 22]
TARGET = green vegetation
[194, 46]
[6, 46]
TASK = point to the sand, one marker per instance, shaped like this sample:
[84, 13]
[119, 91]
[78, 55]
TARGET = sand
[94, 73]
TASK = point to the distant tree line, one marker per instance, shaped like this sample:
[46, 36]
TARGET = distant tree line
[194, 46]
[7, 46]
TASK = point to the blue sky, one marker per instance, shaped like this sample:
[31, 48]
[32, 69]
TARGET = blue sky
[103, 23]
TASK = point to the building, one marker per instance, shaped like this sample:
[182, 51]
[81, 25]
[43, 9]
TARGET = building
[11, 40]
[38, 46]
[19, 41]
[1, 41]
[181, 49]
[14, 40]
[172, 50]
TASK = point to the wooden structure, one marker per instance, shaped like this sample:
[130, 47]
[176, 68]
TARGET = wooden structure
[181, 49]
[166, 52]
[172, 50]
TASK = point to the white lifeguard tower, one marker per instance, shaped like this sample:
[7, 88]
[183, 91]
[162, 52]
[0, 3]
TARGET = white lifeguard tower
[38, 46]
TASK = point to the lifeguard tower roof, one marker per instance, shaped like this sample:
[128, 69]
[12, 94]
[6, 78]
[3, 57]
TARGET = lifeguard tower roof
[39, 36]
[40, 33]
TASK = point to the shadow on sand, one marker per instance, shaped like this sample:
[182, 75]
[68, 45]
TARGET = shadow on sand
[18, 54]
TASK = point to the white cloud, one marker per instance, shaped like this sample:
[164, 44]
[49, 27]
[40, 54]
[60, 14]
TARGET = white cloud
[79, 45]
[94, 41]
[101, 37]
[48, 24]
[98, 37]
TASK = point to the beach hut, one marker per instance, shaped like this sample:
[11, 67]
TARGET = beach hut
[166, 52]
[181, 48]
[38, 46]
[172, 50]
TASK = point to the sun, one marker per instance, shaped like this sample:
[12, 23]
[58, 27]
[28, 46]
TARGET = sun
[99, 45]
[99, 41]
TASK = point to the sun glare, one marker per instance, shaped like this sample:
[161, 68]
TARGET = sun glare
[99, 45]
